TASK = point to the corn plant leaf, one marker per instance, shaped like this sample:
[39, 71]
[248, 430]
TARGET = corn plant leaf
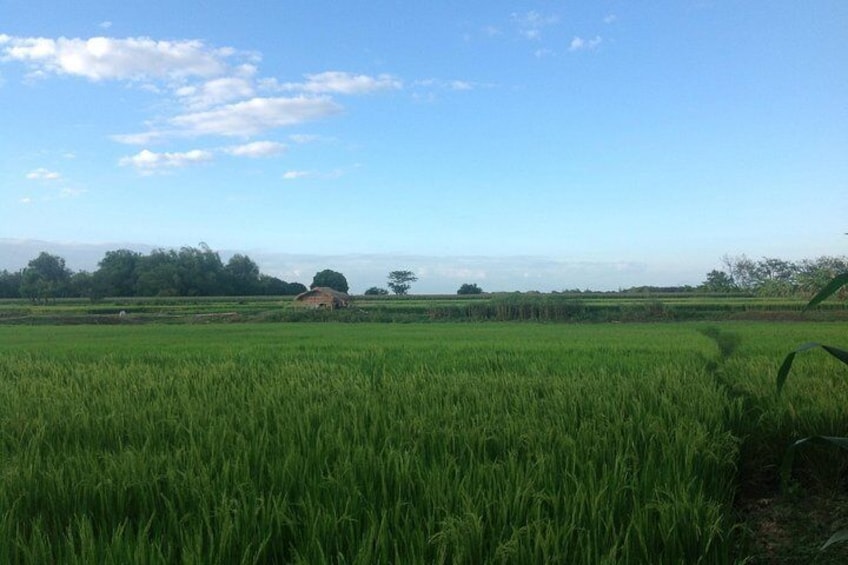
[835, 284]
[838, 537]
[840, 354]
[783, 372]
[789, 457]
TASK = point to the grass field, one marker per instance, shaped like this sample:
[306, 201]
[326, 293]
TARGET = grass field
[411, 443]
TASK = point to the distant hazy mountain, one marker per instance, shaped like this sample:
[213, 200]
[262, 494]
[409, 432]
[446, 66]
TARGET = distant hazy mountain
[16, 253]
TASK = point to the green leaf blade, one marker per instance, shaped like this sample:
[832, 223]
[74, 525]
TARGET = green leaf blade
[840, 354]
[835, 284]
[838, 537]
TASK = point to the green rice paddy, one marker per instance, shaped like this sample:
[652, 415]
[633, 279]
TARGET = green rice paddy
[398, 443]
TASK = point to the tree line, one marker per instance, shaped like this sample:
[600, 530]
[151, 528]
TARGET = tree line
[199, 271]
[188, 271]
[769, 276]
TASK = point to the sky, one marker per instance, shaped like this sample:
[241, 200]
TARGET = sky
[542, 145]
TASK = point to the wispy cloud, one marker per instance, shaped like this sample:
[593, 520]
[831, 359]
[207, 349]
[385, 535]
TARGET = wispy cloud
[147, 161]
[609, 18]
[217, 89]
[254, 116]
[42, 174]
[294, 175]
[580, 44]
[52, 186]
[338, 82]
[322, 175]
[304, 138]
[105, 58]
[530, 24]
[424, 89]
[240, 119]
[256, 149]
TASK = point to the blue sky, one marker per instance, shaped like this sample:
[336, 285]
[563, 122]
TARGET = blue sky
[518, 145]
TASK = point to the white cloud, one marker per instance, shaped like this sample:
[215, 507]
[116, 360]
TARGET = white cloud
[71, 192]
[254, 116]
[216, 91]
[576, 44]
[256, 149]
[293, 175]
[580, 44]
[105, 58]
[215, 88]
[338, 82]
[304, 138]
[105, 25]
[608, 19]
[148, 161]
[456, 84]
[320, 175]
[144, 138]
[42, 174]
[530, 24]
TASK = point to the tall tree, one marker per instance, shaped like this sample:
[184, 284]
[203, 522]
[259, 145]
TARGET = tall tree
[81, 285]
[718, 281]
[469, 289]
[45, 278]
[243, 275]
[330, 279]
[200, 272]
[117, 274]
[158, 274]
[10, 284]
[399, 281]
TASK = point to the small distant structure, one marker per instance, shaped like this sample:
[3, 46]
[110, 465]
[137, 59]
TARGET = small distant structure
[323, 297]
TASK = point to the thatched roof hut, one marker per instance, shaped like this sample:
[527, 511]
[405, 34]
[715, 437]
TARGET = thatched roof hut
[323, 297]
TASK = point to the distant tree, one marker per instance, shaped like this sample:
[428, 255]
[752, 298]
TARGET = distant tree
[469, 289]
[815, 274]
[45, 278]
[272, 286]
[117, 273]
[399, 281]
[718, 281]
[81, 285]
[10, 284]
[200, 272]
[242, 275]
[294, 288]
[743, 271]
[330, 279]
[158, 274]
[376, 291]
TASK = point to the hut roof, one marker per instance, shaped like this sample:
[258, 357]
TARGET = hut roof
[325, 291]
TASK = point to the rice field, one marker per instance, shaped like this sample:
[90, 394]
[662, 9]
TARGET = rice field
[381, 443]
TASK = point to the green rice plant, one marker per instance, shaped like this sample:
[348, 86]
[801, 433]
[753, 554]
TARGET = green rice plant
[836, 441]
[369, 443]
